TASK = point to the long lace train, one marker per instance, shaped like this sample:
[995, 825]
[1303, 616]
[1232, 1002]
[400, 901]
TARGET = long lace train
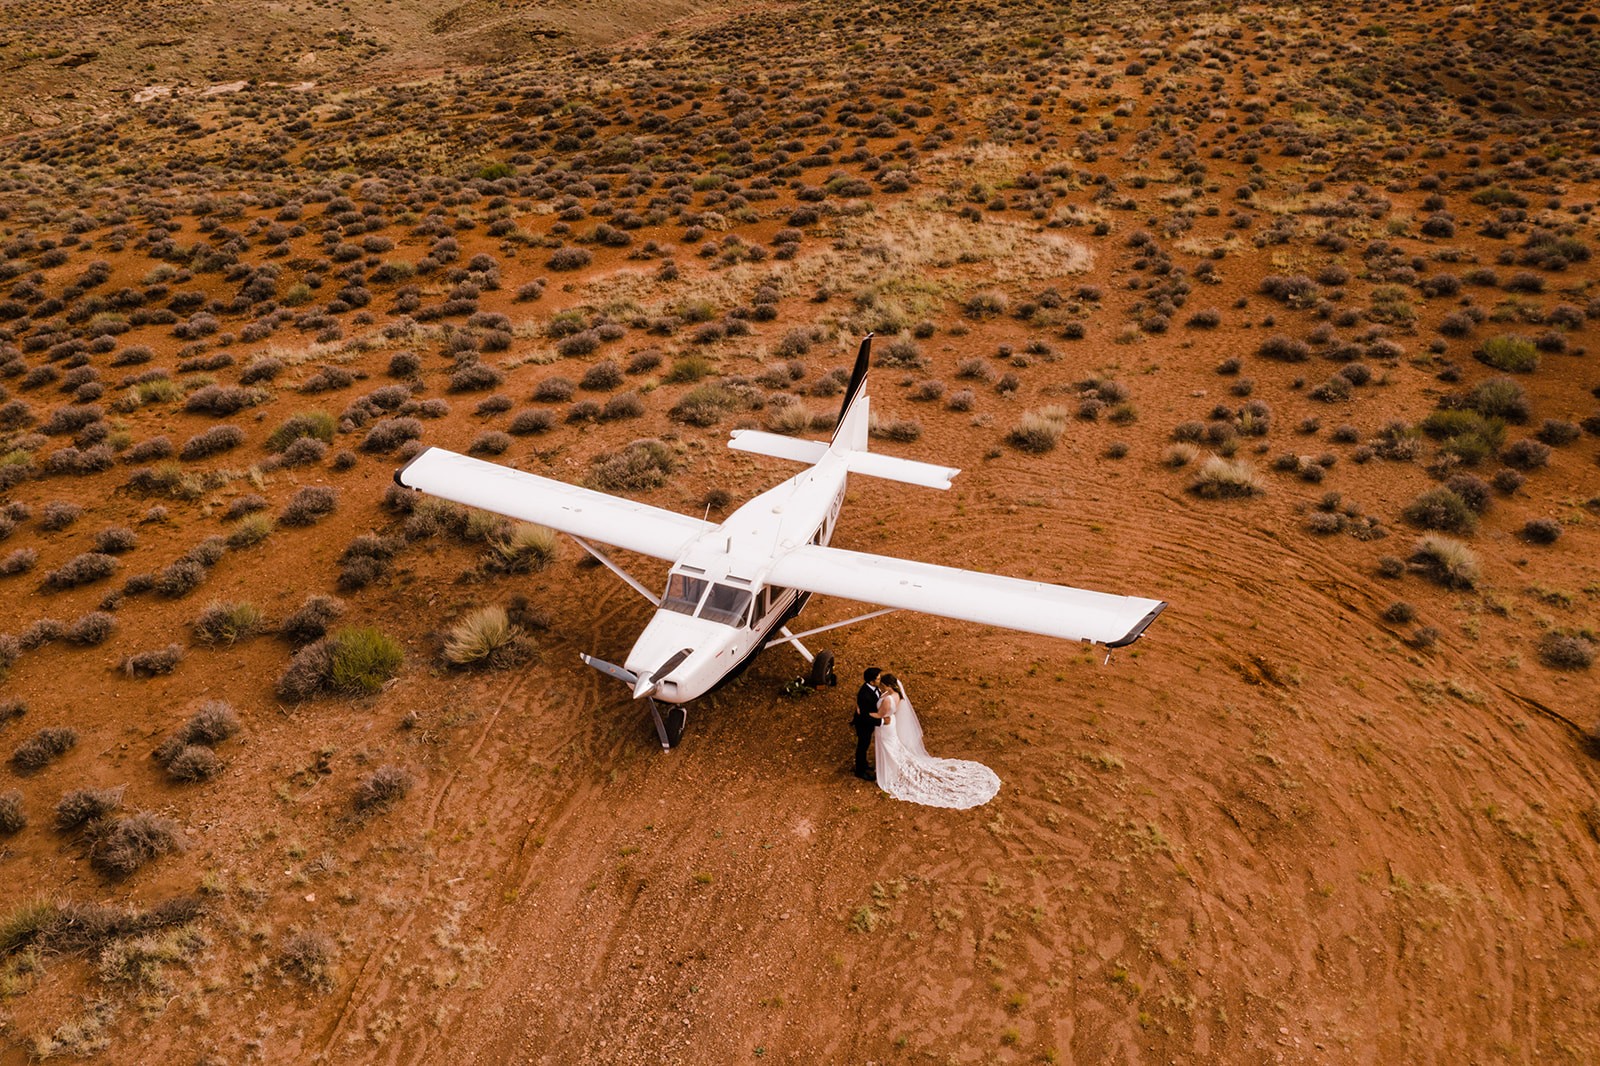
[906, 771]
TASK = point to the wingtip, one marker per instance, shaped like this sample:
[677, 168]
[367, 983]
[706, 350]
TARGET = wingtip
[399, 473]
[1138, 631]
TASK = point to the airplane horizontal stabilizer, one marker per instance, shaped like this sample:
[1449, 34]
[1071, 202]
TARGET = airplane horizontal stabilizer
[778, 446]
[890, 468]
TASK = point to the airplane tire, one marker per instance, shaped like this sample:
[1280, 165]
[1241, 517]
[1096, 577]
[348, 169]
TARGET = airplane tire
[675, 720]
[822, 670]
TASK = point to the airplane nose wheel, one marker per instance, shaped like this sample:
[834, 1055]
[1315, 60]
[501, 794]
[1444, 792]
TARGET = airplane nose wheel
[669, 728]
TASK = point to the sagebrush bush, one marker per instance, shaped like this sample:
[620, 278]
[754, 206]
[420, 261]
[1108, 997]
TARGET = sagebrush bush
[253, 530]
[1566, 651]
[1510, 352]
[641, 465]
[211, 442]
[43, 748]
[1035, 433]
[81, 570]
[307, 957]
[389, 433]
[153, 662]
[1541, 531]
[311, 619]
[121, 846]
[308, 506]
[318, 425]
[91, 629]
[13, 816]
[82, 806]
[382, 789]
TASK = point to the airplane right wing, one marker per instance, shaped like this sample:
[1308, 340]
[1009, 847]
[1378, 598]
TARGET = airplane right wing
[970, 595]
[566, 508]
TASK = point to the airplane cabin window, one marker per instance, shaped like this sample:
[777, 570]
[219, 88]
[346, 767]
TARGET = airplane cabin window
[683, 593]
[726, 604]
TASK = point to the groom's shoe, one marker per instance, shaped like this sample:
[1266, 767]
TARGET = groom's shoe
[867, 775]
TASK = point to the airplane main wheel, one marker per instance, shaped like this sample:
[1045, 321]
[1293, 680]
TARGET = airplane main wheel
[676, 718]
[822, 670]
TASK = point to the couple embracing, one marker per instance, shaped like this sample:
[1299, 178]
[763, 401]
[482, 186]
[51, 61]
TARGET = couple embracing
[885, 720]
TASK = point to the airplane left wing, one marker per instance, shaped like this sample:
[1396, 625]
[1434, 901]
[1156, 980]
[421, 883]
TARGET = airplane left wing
[970, 595]
[567, 508]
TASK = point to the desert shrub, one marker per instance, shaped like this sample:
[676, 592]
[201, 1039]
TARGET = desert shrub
[704, 405]
[1036, 433]
[222, 400]
[1445, 561]
[327, 379]
[362, 659]
[1284, 349]
[985, 303]
[309, 505]
[1510, 352]
[569, 257]
[1501, 398]
[226, 623]
[382, 789]
[310, 621]
[193, 763]
[1541, 531]
[214, 440]
[390, 433]
[149, 451]
[43, 748]
[1526, 454]
[525, 548]
[58, 514]
[13, 817]
[688, 369]
[1423, 637]
[1399, 612]
[81, 570]
[1220, 478]
[18, 561]
[603, 375]
[1507, 481]
[114, 540]
[475, 377]
[41, 632]
[307, 957]
[90, 629]
[1442, 509]
[489, 442]
[1465, 434]
[318, 425]
[253, 530]
[181, 577]
[1557, 433]
[123, 845]
[82, 806]
[641, 465]
[533, 420]
[1566, 651]
[623, 405]
[153, 662]
[1474, 492]
[902, 430]
[485, 637]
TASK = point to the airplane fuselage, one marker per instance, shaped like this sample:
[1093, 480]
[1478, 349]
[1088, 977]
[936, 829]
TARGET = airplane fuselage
[717, 604]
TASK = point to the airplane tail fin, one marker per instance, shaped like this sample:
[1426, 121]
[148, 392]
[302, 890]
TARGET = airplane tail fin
[854, 417]
[857, 461]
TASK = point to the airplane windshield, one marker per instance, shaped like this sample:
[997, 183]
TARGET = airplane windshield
[683, 593]
[726, 604]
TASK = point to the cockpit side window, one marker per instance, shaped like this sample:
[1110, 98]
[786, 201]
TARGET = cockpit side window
[726, 604]
[683, 593]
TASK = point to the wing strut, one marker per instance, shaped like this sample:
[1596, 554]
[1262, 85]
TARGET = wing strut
[605, 560]
[795, 638]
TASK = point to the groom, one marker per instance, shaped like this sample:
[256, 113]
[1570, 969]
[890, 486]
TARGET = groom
[864, 721]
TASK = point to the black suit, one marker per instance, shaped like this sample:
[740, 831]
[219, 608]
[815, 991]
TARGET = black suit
[864, 723]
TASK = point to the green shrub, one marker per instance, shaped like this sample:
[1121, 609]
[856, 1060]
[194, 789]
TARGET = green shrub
[689, 369]
[363, 659]
[1501, 398]
[1510, 352]
[1442, 509]
[1466, 434]
[317, 424]
[226, 623]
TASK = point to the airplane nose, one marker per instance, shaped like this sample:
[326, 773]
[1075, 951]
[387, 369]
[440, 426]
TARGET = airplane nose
[643, 687]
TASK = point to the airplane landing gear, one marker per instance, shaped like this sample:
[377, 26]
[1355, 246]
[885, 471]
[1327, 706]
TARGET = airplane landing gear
[822, 671]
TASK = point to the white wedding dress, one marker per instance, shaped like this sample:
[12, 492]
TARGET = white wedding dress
[906, 771]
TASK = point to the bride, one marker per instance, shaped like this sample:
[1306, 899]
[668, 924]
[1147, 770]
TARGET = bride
[906, 770]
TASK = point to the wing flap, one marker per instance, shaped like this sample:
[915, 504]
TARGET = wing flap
[969, 595]
[570, 509]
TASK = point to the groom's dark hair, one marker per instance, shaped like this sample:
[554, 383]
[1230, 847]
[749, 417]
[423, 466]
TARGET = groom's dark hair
[870, 674]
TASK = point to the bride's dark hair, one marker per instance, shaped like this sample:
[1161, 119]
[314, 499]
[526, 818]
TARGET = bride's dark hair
[890, 680]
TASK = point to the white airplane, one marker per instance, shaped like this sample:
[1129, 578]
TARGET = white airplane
[734, 585]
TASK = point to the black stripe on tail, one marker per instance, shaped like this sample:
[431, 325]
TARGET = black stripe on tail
[858, 378]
